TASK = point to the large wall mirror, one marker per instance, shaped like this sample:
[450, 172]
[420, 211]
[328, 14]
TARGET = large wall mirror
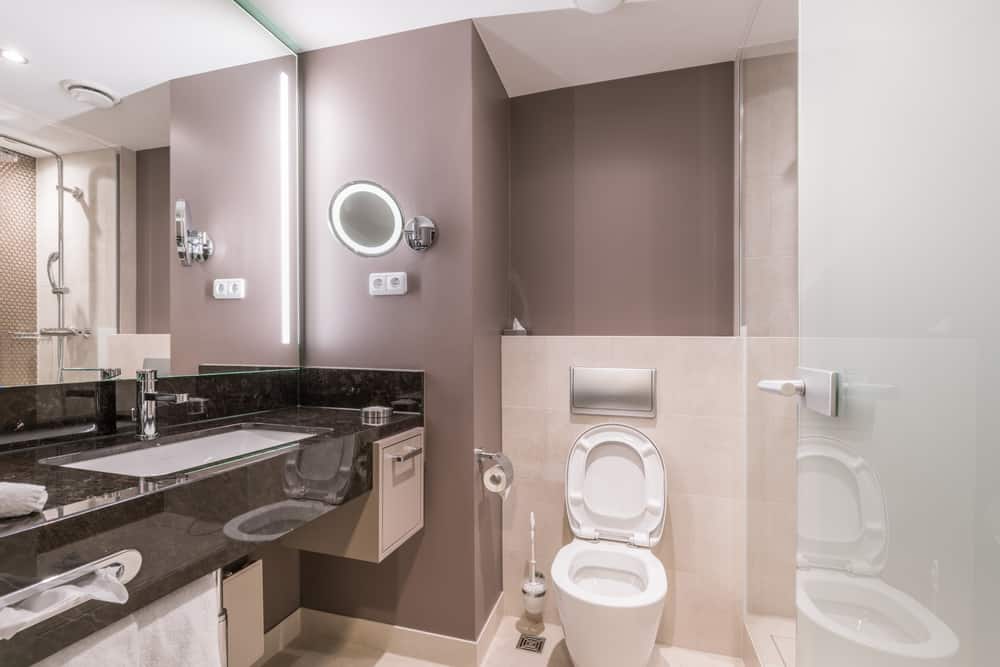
[104, 127]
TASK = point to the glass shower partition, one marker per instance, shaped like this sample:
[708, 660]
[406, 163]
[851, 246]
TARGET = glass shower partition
[899, 494]
[60, 244]
[768, 196]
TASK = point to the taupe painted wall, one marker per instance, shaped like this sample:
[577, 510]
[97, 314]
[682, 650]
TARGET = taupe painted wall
[224, 142]
[154, 240]
[491, 232]
[421, 113]
[622, 206]
[282, 592]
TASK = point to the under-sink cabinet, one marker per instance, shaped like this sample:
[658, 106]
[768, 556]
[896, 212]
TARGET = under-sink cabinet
[243, 601]
[371, 527]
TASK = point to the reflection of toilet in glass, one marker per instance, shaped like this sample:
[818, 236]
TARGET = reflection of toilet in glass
[609, 586]
[844, 608]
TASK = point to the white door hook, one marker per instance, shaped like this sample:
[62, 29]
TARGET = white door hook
[783, 387]
[822, 393]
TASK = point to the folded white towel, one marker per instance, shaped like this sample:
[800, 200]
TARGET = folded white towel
[117, 644]
[20, 499]
[181, 629]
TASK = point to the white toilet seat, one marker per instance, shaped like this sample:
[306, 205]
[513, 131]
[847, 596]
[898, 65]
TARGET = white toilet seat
[845, 608]
[609, 575]
[909, 630]
[615, 486]
[843, 524]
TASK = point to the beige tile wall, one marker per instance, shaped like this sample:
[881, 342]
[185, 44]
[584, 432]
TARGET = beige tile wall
[699, 430]
[770, 220]
[771, 479]
[770, 196]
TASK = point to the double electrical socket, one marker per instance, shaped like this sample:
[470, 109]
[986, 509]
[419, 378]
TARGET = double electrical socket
[387, 284]
[229, 288]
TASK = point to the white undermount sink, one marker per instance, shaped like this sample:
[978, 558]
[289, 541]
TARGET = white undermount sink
[180, 453]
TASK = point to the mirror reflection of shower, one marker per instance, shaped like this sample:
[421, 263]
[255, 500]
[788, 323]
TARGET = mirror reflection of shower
[56, 263]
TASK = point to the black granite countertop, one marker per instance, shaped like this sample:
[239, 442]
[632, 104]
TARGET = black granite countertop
[183, 527]
[72, 491]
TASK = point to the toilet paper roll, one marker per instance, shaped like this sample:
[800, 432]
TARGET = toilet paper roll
[499, 477]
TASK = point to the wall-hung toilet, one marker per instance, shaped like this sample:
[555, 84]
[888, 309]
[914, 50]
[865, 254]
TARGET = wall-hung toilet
[609, 585]
[845, 610]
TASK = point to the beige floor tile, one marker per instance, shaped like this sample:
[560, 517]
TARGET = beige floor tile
[503, 651]
[672, 656]
[330, 654]
[773, 638]
[319, 652]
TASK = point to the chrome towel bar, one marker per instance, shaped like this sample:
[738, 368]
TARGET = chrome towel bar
[128, 563]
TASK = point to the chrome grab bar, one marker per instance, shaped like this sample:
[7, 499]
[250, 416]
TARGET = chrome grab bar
[127, 561]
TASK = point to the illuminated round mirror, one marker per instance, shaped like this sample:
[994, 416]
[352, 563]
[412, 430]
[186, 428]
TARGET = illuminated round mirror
[366, 218]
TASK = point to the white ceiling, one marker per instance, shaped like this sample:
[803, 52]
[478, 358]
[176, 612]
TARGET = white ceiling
[132, 46]
[638, 38]
[314, 24]
[126, 46]
[544, 44]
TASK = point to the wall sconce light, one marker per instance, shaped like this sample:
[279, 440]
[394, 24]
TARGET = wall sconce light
[420, 233]
[192, 246]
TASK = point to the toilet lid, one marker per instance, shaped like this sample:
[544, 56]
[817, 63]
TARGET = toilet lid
[615, 488]
[842, 519]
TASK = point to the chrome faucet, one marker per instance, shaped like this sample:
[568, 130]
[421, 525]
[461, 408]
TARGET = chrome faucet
[146, 400]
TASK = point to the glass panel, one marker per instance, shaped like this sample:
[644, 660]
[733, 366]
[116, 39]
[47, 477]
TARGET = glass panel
[898, 272]
[768, 191]
[102, 131]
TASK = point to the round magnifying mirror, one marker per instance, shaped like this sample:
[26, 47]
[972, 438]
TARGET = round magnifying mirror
[366, 218]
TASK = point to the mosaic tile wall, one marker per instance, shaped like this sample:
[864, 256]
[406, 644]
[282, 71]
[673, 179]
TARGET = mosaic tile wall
[18, 304]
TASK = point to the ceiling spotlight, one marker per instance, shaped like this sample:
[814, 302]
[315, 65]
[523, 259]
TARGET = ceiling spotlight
[12, 56]
[598, 6]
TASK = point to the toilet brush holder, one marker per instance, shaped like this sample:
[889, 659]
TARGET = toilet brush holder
[533, 593]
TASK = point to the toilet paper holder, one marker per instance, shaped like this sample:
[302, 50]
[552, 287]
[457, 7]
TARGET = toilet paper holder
[482, 454]
[500, 471]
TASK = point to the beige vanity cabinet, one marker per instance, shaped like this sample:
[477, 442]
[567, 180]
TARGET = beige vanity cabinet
[371, 527]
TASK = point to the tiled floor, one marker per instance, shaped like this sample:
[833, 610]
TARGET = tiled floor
[502, 652]
[317, 652]
[773, 638]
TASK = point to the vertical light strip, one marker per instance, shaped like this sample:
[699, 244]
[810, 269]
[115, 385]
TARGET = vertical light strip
[284, 161]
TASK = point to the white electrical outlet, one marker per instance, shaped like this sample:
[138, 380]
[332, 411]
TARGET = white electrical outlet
[387, 284]
[376, 284]
[229, 288]
[395, 283]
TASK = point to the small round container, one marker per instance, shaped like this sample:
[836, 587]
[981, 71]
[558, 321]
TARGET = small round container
[533, 593]
[376, 415]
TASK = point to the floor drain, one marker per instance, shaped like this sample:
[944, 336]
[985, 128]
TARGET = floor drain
[530, 643]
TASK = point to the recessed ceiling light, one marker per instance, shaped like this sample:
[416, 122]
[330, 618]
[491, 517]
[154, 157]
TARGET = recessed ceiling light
[12, 56]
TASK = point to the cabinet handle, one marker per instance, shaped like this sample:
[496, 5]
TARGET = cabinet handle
[411, 452]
